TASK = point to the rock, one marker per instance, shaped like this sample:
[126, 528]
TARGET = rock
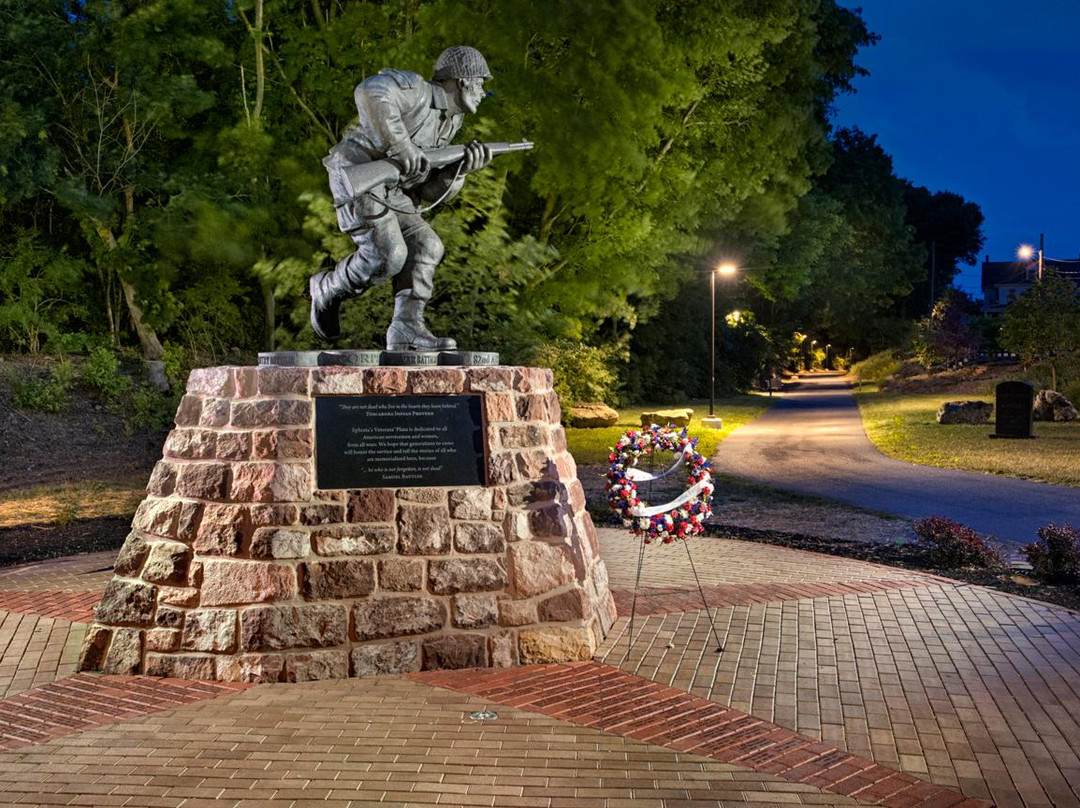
[471, 503]
[253, 668]
[401, 575]
[210, 630]
[168, 563]
[383, 659]
[592, 415]
[128, 603]
[125, 653]
[965, 412]
[337, 580]
[565, 607]
[273, 628]
[392, 617]
[537, 568]
[354, 540]
[678, 417]
[96, 643]
[279, 542]
[423, 530]
[1053, 406]
[455, 652]
[132, 555]
[475, 611]
[478, 537]
[372, 505]
[561, 644]
[180, 667]
[243, 582]
[450, 576]
[315, 666]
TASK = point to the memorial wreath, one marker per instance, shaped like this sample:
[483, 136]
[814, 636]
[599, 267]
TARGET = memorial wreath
[685, 515]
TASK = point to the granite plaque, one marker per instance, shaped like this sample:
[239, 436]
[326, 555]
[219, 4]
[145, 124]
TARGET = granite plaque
[399, 441]
[1013, 417]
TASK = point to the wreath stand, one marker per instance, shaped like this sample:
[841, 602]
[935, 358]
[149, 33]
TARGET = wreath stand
[680, 518]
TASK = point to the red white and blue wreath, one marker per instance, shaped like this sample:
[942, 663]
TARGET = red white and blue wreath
[686, 514]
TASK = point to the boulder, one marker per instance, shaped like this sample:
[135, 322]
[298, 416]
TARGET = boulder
[965, 412]
[680, 417]
[592, 415]
[1052, 406]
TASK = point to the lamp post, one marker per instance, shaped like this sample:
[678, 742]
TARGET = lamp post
[725, 271]
[1026, 251]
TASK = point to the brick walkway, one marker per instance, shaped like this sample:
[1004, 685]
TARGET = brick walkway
[841, 683]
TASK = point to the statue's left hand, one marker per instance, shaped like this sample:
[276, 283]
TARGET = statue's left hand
[477, 155]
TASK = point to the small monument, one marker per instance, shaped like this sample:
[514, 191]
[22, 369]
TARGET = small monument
[1014, 410]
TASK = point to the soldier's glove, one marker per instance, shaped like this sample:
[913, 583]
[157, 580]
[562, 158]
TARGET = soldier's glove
[477, 155]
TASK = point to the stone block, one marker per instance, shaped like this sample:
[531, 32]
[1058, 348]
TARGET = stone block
[564, 607]
[354, 540]
[499, 408]
[437, 381]
[95, 646]
[282, 444]
[276, 628]
[558, 439]
[537, 568]
[535, 464]
[125, 653]
[189, 411]
[523, 436]
[315, 666]
[491, 379]
[554, 408]
[177, 666]
[233, 445]
[209, 481]
[127, 603]
[210, 630]
[216, 381]
[162, 640]
[271, 482]
[274, 514]
[167, 563]
[556, 644]
[1049, 405]
[322, 513]
[516, 526]
[423, 530]
[455, 652]
[385, 659]
[337, 580]
[550, 522]
[346, 381]
[280, 542]
[478, 537]
[186, 596]
[251, 668]
[397, 617]
[474, 611]
[223, 530]
[502, 468]
[162, 480]
[166, 617]
[471, 503]
[240, 582]
[422, 496]
[132, 555]
[965, 412]
[188, 521]
[453, 575]
[513, 613]
[275, 381]
[294, 412]
[191, 444]
[532, 407]
[592, 415]
[246, 382]
[532, 380]
[215, 412]
[401, 575]
[385, 381]
[157, 517]
[372, 505]
[502, 650]
[261, 412]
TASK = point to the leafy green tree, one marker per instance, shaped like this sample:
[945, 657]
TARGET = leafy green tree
[1044, 323]
[946, 334]
[39, 291]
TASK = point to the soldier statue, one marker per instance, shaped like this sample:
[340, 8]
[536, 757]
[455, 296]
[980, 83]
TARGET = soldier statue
[383, 173]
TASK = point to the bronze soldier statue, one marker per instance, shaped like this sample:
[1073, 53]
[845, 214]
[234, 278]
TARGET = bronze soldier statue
[381, 176]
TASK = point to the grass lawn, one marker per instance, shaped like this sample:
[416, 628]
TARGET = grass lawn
[63, 504]
[904, 425]
[591, 446]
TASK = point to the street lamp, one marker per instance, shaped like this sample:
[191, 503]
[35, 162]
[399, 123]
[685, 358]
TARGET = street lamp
[724, 271]
[1026, 251]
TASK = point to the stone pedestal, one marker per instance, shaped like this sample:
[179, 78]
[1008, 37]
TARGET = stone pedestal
[238, 568]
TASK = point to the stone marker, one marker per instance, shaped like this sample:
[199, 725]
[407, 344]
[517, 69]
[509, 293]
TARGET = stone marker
[677, 417]
[240, 567]
[593, 415]
[965, 412]
[1053, 406]
[1015, 401]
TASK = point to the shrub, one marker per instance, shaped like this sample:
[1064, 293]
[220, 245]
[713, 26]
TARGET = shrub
[582, 372]
[45, 394]
[954, 545]
[1055, 557]
[101, 372]
[151, 410]
[876, 368]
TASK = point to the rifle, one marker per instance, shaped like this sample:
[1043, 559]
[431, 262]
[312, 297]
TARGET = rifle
[362, 177]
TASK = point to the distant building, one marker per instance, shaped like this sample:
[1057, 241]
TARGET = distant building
[1004, 281]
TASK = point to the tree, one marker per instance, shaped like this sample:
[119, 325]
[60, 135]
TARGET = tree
[946, 334]
[1044, 323]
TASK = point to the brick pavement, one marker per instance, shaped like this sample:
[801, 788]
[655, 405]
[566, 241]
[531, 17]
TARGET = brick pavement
[967, 690]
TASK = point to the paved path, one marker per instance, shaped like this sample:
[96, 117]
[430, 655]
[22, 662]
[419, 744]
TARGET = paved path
[841, 683]
[812, 442]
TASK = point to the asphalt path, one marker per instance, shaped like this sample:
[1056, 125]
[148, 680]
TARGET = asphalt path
[812, 441]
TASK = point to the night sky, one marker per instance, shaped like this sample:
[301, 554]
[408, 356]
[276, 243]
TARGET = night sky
[982, 99]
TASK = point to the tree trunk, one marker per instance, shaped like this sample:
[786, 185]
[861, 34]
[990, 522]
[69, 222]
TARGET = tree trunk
[148, 339]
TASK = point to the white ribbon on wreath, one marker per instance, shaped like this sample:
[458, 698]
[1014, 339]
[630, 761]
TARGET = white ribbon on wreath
[640, 475]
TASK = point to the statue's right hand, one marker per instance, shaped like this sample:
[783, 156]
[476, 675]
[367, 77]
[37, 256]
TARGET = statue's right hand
[412, 160]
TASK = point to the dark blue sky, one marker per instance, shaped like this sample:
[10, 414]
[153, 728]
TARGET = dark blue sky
[982, 99]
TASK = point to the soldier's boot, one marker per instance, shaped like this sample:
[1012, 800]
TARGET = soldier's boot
[408, 332]
[328, 289]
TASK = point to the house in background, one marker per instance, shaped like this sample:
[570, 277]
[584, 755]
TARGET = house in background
[1004, 281]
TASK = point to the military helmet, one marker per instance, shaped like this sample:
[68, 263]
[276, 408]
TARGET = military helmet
[461, 62]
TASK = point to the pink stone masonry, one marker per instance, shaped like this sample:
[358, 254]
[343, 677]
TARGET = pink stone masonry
[238, 569]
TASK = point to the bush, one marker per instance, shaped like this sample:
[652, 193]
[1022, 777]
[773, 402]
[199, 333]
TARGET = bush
[876, 368]
[101, 372]
[151, 410]
[582, 372]
[1055, 557]
[954, 545]
[44, 394]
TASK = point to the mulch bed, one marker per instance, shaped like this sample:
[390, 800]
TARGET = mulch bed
[23, 544]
